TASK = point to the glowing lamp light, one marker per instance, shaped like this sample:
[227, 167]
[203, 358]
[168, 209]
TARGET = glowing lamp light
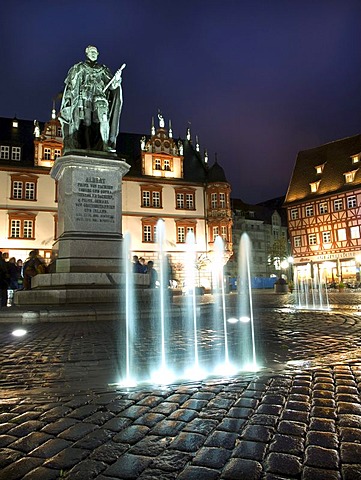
[19, 332]
[232, 320]
[244, 319]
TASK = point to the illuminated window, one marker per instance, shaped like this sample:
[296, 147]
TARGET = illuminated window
[47, 153]
[323, 208]
[312, 239]
[151, 196]
[224, 232]
[15, 123]
[213, 200]
[319, 168]
[167, 165]
[350, 176]
[189, 201]
[355, 158]
[215, 231]
[57, 153]
[326, 237]
[23, 187]
[297, 241]
[4, 152]
[149, 228]
[338, 204]
[355, 232]
[294, 213]
[58, 132]
[185, 198]
[157, 164]
[183, 228]
[341, 234]
[16, 153]
[21, 225]
[180, 200]
[314, 186]
[222, 200]
[351, 201]
[309, 210]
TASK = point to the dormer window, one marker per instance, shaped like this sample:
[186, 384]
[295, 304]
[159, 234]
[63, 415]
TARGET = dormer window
[314, 186]
[15, 123]
[355, 158]
[350, 176]
[319, 168]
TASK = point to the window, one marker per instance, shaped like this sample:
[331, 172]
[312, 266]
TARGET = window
[57, 153]
[312, 239]
[351, 201]
[164, 164]
[23, 187]
[350, 176]
[157, 164]
[326, 237]
[294, 213]
[338, 204]
[319, 168]
[189, 201]
[297, 241]
[224, 232]
[185, 198]
[222, 200]
[47, 153]
[213, 200]
[314, 186]
[16, 153]
[309, 210]
[149, 228]
[151, 196]
[341, 234]
[183, 228]
[180, 200]
[323, 208]
[355, 158]
[156, 199]
[355, 232]
[4, 152]
[21, 225]
[215, 231]
[167, 165]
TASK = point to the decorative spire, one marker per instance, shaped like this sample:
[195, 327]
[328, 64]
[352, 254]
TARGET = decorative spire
[189, 133]
[142, 143]
[152, 131]
[197, 144]
[53, 112]
[170, 131]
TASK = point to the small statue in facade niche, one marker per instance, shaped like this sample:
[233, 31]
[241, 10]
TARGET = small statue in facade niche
[161, 120]
[91, 105]
[142, 143]
[180, 147]
[36, 129]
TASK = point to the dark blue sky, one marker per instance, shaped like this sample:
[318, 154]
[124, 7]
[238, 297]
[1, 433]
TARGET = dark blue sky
[258, 80]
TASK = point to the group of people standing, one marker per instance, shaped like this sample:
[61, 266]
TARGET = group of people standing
[14, 275]
[139, 266]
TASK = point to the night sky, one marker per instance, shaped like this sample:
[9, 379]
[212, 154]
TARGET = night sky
[258, 81]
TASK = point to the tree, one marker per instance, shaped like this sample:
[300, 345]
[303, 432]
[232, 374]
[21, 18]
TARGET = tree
[278, 252]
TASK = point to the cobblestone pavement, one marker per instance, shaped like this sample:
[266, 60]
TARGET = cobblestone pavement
[298, 418]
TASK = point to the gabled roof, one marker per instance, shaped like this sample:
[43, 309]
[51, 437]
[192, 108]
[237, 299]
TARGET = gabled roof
[335, 157]
[261, 211]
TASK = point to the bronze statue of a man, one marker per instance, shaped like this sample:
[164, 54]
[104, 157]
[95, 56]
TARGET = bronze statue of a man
[91, 105]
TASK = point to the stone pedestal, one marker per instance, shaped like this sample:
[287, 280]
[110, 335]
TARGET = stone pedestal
[89, 243]
[89, 213]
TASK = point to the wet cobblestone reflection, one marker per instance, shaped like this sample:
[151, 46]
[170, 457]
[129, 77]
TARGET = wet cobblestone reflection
[300, 417]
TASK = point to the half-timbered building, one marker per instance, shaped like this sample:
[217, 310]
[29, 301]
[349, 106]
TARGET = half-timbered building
[324, 211]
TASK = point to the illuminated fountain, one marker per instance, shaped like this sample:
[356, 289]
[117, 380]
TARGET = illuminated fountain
[310, 289]
[202, 340]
